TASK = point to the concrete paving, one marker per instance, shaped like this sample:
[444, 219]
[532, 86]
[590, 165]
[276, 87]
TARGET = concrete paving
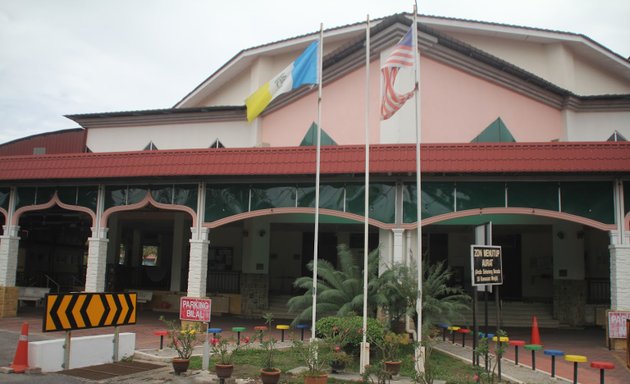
[589, 342]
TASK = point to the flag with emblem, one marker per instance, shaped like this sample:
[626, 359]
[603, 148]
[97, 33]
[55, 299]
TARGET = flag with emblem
[300, 72]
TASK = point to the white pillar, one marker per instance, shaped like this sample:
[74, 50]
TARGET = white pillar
[97, 261]
[619, 276]
[398, 254]
[9, 245]
[198, 264]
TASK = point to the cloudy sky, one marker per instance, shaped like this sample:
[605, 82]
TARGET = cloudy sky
[60, 57]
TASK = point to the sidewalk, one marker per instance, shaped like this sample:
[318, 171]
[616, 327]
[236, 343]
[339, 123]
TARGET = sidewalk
[589, 342]
[516, 373]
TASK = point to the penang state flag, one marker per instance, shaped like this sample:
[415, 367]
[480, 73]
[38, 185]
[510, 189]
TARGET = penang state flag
[302, 71]
[401, 56]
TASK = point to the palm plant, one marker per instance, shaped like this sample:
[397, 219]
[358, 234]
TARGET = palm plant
[339, 290]
[440, 302]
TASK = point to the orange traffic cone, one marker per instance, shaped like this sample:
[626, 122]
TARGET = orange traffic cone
[20, 361]
[535, 333]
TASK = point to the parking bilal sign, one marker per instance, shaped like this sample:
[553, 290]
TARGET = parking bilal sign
[195, 309]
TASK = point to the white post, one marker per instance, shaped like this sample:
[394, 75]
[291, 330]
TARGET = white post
[365, 346]
[419, 352]
[320, 73]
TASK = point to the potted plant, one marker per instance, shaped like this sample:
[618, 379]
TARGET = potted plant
[269, 374]
[316, 355]
[390, 346]
[337, 340]
[224, 349]
[339, 359]
[183, 339]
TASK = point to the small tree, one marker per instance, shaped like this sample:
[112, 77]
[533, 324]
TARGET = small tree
[483, 349]
[339, 289]
[440, 302]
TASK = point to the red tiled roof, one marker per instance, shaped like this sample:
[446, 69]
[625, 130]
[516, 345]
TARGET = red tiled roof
[471, 158]
[64, 141]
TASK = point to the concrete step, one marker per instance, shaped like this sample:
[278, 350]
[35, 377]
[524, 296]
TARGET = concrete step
[278, 306]
[517, 314]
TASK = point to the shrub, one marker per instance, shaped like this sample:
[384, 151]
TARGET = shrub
[354, 325]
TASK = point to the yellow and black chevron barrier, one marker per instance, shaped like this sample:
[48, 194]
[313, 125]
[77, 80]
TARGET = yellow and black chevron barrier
[72, 311]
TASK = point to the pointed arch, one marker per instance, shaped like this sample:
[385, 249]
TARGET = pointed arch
[54, 200]
[148, 200]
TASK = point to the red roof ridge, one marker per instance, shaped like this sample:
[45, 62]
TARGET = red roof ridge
[443, 158]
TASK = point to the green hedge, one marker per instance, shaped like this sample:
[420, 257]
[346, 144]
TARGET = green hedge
[375, 330]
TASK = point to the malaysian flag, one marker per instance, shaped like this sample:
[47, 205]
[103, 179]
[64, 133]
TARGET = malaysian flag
[402, 56]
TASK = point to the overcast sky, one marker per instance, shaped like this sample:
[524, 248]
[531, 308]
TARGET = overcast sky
[60, 57]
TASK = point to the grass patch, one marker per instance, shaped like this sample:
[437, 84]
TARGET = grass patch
[247, 364]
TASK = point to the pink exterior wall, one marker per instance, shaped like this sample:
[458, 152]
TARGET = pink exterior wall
[456, 107]
[343, 112]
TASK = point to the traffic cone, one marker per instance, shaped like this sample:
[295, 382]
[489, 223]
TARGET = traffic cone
[20, 361]
[535, 333]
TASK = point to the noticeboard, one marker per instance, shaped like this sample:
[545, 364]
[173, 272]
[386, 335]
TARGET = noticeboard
[486, 267]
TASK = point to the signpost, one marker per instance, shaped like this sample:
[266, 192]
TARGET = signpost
[72, 311]
[486, 265]
[486, 270]
[197, 309]
[616, 326]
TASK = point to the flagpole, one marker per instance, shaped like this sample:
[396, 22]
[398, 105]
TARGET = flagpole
[365, 351]
[419, 349]
[317, 171]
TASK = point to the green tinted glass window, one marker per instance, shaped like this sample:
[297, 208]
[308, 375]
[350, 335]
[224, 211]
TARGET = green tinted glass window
[162, 193]
[186, 194]
[124, 195]
[593, 200]
[437, 199]
[480, 195]
[80, 196]
[226, 200]
[330, 196]
[306, 195]
[136, 194]
[355, 198]
[4, 197]
[25, 197]
[382, 201]
[533, 195]
[272, 196]
[115, 196]
[34, 195]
